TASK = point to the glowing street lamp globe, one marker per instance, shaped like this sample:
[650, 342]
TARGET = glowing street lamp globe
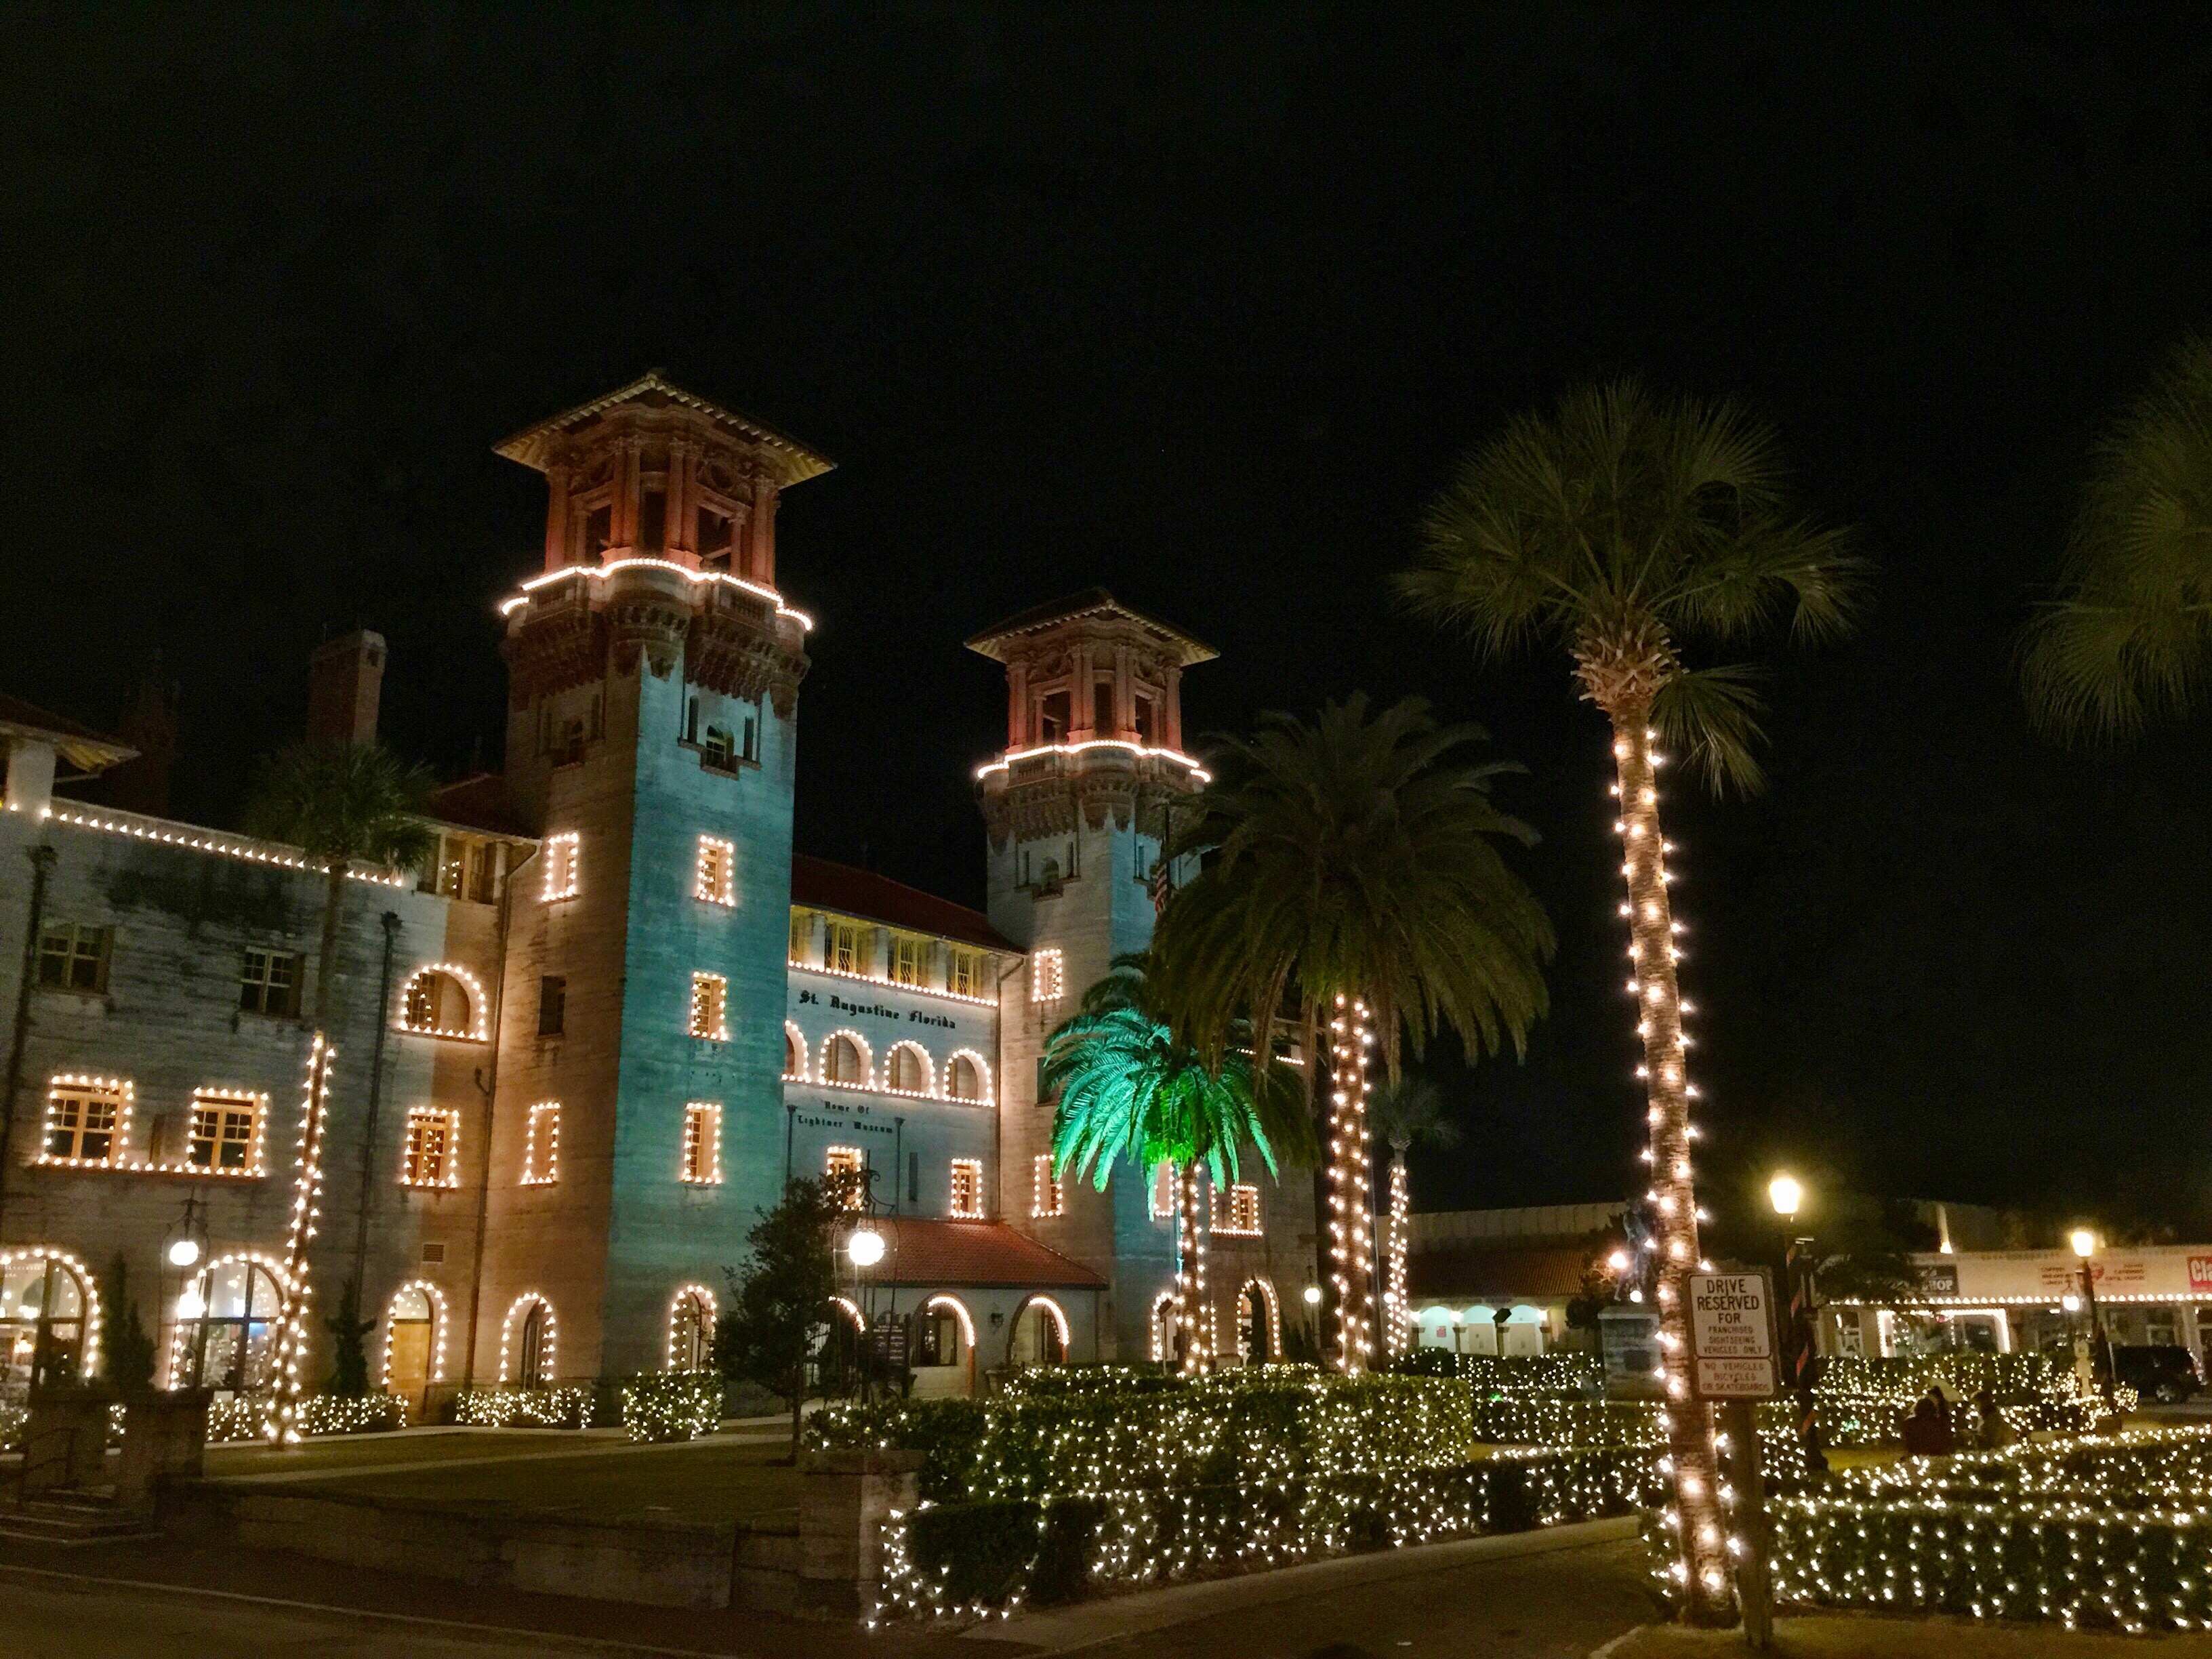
[184, 1252]
[1785, 1194]
[865, 1247]
[1313, 1296]
[2084, 1243]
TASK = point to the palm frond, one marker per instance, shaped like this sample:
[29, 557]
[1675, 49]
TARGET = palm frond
[345, 801]
[1710, 716]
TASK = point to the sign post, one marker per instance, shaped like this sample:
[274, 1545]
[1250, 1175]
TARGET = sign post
[1734, 1364]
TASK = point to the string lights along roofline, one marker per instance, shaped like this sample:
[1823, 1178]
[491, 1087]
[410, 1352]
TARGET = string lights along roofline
[1139, 750]
[599, 572]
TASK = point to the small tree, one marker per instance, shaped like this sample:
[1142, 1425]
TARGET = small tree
[780, 1300]
[349, 1352]
[130, 1350]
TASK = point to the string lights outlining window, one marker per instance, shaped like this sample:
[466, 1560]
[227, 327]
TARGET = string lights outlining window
[967, 1189]
[715, 881]
[541, 1144]
[794, 1054]
[702, 1143]
[86, 1286]
[691, 1328]
[563, 879]
[444, 999]
[87, 1121]
[1266, 1293]
[968, 1077]
[515, 1364]
[847, 1060]
[1046, 1198]
[906, 1071]
[710, 1003]
[1048, 977]
[227, 1132]
[1236, 1210]
[849, 1165]
[431, 1155]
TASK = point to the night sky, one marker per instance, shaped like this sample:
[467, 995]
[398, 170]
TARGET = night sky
[1202, 305]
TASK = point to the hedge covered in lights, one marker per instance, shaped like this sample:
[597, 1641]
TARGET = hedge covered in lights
[233, 1420]
[1577, 1374]
[1283, 1422]
[2112, 1532]
[529, 1408]
[1864, 1401]
[672, 1405]
[993, 1553]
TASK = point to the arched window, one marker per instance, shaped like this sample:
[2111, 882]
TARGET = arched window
[794, 1052]
[525, 1346]
[442, 1000]
[909, 1070]
[691, 1329]
[48, 1323]
[1166, 1328]
[227, 1328]
[1040, 1334]
[964, 1077]
[844, 1060]
[1259, 1322]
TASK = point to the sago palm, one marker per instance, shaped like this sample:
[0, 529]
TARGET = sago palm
[1127, 1088]
[2128, 638]
[1353, 880]
[1406, 1114]
[1621, 525]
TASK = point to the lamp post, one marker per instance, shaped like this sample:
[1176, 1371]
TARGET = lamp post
[2101, 1352]
[1786, 1193]
[863, 1248]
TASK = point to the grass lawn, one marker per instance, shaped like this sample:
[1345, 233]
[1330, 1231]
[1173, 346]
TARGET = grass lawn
[713, 1481]
[1841, 1635]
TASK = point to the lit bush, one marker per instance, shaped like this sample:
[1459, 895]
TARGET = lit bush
[672, 1405]
[529, 1408]
[230, 1421]
[1577, 1374]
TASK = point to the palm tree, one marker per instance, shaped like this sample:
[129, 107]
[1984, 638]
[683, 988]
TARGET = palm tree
[1126, 1087]
[1407, 1114]
[1617, 525]
[1354, 879]
[2130, 636]
[343, 803]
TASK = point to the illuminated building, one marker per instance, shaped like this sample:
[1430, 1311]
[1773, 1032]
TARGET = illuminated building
[574, 1056]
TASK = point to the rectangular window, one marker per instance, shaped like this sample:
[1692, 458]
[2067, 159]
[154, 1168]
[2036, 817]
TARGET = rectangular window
[845, 947]
[598, 532]
[226, 1132]
[73, 958]
[1148, 717]
[965, 973]
[913, 1177]
[847, 1166]
[717, 882]
[561, 873]
[432, 1157]
[1045, 1198]
[552, 1006]
[1052, 717]
[802, 936]
[968, 1188]
[484, 872]
[1163, 1198]
[710, 995]
[702, 1143]
[452, 865]
[1048, 977]
[748, 745]
[1101, 707]
[270, 983]
[541, 1144]
[906, 959]
[86, 1119]
[1236, 1210]
[711, 538]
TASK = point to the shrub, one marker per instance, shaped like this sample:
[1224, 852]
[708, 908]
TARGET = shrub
[1580, 1376]
[672, 1405]
[233, 1420]
[507, 1408]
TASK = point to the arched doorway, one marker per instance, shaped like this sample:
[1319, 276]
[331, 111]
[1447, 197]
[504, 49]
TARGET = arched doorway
[691, 1330]
[942, 1350]
[227, 1327]
[1040, 1334]
[414, 1344]
[525, 1343]
[47, 1322]
[1259, 1323]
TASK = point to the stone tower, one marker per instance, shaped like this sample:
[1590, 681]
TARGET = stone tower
[654, 675]
[1076, 807]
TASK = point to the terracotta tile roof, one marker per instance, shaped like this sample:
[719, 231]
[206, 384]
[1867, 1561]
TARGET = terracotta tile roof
[477, 803]
[1091, 602]
[932, 1254]
[820, 885]
[1534, 1271]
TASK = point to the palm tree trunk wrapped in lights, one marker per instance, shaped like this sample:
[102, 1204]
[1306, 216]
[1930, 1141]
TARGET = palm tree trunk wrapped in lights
[1193, 1311]
[1356, 882]
[1616, 525]
[283, 1423]
[1407, 1113]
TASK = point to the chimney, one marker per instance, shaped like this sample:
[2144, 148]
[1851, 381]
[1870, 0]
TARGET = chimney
[149, 726]
[345, 681]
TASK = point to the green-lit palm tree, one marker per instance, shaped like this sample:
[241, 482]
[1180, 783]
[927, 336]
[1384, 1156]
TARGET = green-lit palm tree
[342, 803]
[1618, 525]
[1127, 1088]
[2129, 637]
[1406, 1114]
[1353, 881]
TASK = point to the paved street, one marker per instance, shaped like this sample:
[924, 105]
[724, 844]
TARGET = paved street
[1559, 1604]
